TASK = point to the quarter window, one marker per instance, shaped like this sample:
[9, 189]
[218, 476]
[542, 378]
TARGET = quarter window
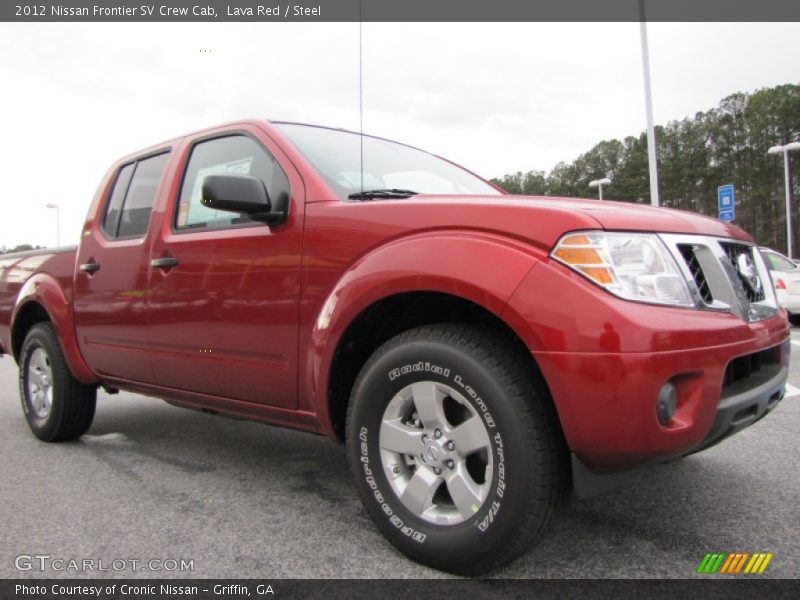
[114, 209]
[236, 154]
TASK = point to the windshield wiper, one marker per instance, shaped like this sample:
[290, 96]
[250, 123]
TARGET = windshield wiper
[382, 193]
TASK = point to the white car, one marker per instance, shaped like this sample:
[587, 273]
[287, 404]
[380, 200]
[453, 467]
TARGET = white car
[786, 279]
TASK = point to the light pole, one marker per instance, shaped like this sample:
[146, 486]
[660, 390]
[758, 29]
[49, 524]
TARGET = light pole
[785, 149]
[58, 221]
[599, 183]
[648, 105]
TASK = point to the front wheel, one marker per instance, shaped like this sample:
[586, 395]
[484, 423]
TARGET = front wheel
[56, 405]
[455, 446]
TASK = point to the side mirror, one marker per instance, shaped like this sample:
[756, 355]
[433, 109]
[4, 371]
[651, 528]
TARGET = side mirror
[241, 194]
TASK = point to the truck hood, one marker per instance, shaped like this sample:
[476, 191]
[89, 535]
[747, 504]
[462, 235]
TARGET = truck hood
[606, 214]
[635, 217]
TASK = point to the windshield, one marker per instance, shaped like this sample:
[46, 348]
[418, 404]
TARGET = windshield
[388, 166]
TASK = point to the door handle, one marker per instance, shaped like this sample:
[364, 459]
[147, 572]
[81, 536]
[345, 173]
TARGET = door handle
[165, 262]
[90, 267]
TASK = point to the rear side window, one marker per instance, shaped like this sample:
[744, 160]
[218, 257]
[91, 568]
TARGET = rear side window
[131, 202]
[232, 154]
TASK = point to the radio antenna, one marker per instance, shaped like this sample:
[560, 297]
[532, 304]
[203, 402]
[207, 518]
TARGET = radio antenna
[361, 90]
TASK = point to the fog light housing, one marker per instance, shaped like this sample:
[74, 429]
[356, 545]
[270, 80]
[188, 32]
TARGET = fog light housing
[666, 403]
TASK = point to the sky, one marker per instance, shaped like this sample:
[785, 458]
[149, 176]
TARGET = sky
[494, 97]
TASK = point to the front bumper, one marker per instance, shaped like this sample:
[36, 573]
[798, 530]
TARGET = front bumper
[607, 402]
[740, 407]
[605, 361]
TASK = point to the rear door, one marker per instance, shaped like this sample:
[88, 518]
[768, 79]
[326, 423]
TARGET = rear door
[110, 302]
[224, 302]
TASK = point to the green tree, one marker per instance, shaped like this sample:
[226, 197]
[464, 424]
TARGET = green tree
[21, 248]
[726, 144]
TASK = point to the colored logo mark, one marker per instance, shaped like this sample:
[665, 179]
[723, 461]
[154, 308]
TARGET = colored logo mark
[735, 562]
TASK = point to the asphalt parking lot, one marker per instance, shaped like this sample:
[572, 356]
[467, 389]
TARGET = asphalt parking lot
[239, 499]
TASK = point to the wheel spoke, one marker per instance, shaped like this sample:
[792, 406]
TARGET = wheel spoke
[38, 362]
[428, 402]
[470, 436]
[397, 437]
[39, 377]
[36, 400]
[418, 495]
[466, 494]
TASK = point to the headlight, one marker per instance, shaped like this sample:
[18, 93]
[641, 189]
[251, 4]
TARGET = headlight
[634, 266]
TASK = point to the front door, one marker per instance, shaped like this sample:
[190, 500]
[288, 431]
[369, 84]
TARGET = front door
[224, 293]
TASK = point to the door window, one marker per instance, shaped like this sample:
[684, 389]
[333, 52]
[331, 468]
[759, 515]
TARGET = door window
[131, 201]
[236, 154]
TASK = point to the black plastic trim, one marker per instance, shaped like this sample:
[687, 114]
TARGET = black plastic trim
[588, 484]
[741, 409]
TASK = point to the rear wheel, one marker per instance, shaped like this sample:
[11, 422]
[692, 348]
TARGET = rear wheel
[56, 405]
[455, 446]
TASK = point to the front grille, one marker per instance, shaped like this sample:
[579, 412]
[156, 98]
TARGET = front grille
[734, 253]
[724, 275]
[688, 253]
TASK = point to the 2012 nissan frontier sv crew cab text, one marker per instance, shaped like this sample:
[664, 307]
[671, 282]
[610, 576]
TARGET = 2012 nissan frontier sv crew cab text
[480, 354]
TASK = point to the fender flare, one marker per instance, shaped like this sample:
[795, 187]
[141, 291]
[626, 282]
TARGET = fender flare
[482, 268]
[45, 291]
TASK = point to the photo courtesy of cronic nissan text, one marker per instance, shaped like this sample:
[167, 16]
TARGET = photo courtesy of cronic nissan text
[359, 298]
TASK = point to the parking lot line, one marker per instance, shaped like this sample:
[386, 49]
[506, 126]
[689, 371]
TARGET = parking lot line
[791, 391]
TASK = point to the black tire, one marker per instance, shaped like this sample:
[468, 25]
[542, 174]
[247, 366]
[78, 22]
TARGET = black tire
[72, 404]
[530, 479]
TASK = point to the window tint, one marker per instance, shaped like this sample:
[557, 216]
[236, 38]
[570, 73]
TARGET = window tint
[141, 195]
[131, 201]
[114, 209]
[236, 154]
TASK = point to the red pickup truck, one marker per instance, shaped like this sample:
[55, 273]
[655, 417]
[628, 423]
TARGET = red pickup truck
[480, 354]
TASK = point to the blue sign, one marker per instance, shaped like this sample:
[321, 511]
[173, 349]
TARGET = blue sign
[725, 202]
